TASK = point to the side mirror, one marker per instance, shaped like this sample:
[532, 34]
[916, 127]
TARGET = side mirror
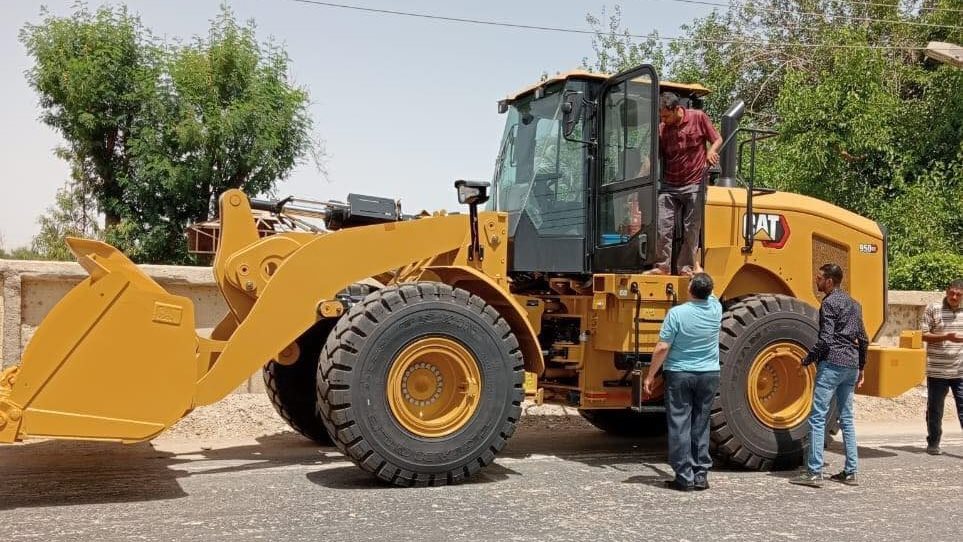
[571, 112]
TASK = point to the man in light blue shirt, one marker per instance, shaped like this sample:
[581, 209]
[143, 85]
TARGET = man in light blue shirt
[688, 353]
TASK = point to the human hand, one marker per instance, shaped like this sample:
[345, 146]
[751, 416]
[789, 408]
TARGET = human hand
[861, 379]
[712, 157]
[647, 385]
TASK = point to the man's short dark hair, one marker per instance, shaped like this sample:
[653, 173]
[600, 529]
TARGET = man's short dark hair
[700, 286]
[956, 284]
[669, 101]
[832, 271]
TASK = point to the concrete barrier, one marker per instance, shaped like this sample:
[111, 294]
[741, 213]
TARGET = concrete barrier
[31, 289]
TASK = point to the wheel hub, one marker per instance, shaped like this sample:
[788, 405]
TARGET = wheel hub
[434, 385]
[422, 384]
[779, 388]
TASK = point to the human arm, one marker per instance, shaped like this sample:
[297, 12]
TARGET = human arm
[658, 358]
[939, 337]
[712, 155]
[827, 325]
[666, 335]
[930, 325]
[645, 167]
[862, 342]
[714, 139]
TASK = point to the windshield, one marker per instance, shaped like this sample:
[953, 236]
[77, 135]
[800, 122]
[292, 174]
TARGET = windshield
[538, 171]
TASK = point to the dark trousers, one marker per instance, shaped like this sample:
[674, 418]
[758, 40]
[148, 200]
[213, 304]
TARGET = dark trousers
[670, 206]
[936, 389]
[688, 403]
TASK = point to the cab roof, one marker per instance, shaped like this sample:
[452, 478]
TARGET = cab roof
[690, 88]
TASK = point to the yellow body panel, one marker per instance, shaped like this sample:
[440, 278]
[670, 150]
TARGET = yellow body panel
[813, 225]
[892, 371]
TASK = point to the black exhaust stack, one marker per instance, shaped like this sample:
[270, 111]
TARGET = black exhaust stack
[729, 157]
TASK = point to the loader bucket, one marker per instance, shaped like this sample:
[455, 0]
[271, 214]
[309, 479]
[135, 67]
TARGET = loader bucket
[115, 359]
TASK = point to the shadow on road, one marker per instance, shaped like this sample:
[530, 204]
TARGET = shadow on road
[352, 477]
[920, 450]
[59, 473]
[656, 479]
[864, 451]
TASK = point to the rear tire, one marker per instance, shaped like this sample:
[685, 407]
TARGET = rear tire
[626, 422]
[421, 384]
[760, 415]
[292, 389]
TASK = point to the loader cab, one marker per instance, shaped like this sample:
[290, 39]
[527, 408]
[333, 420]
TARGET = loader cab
[578, 171]
[540, 181]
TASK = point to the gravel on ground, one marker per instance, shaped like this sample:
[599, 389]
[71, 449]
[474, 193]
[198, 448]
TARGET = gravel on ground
[251, 415]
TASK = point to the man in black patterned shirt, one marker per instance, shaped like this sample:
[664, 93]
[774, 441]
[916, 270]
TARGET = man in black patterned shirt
[840, 353]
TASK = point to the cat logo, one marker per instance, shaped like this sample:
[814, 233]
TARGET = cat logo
[771, 230]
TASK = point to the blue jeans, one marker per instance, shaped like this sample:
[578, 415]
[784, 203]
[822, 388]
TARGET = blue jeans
[936, 389]
[832, 380]
[688, 403]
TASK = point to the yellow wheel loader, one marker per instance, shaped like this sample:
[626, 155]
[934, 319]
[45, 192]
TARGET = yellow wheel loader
[412, 341]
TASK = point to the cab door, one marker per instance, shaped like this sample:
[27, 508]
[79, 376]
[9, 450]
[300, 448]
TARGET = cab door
[625, 184]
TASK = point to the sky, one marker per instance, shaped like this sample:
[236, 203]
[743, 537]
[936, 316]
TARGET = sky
[403, 105]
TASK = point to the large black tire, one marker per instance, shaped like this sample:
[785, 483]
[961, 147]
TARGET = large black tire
[354, 375]
[749, 326]
[626, 422]
[292, 389]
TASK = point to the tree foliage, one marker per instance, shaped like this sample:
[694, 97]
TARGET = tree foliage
[72, 215]
[865, 121]
[165, 127]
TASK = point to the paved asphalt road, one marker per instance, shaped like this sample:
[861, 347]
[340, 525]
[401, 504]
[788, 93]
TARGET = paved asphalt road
[547, 485]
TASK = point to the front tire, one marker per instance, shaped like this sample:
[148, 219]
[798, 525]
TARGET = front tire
[421, 384]
[760, 415]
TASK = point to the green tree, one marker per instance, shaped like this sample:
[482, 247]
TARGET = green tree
[74, 212]
[96, 75]
[615, 47]
[166, 127]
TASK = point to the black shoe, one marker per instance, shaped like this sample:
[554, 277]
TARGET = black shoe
[701, 484]
[934, 449]
[808, 479]
[672, 484]
[844, 477]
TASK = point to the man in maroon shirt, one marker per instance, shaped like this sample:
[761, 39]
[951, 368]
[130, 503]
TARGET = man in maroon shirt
[683, 136]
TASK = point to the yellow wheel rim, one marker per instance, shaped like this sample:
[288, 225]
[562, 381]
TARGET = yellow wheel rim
[780, 390]
[433, 387]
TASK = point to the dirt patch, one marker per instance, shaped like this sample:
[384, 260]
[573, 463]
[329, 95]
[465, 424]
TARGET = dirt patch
[237, 415]
[251, 415]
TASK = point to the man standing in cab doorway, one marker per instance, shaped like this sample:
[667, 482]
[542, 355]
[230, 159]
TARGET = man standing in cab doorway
[840, 352]
[683, 136]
